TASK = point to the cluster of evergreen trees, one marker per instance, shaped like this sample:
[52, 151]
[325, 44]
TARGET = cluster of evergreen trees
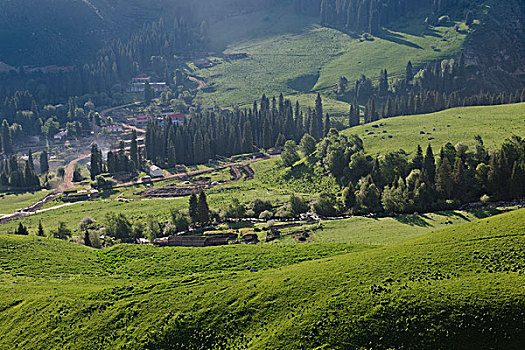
[395, 184]
[438, 86]
[117, 163]
[152, 48]
[14, 173]
[23, 117]
[368, 15]
[209, 134]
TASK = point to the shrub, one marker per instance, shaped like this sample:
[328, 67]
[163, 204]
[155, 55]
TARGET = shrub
[266, 215]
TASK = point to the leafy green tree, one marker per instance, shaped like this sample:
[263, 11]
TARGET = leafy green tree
[336, 162]
[102, 184]
[298, 205]
[118, 226]
[348, 197]
[77, 174]
[325, 205]
[153, 228]
[307, 145]
[179, 220]
[368, 197]
[290, 154]
[62, 232]
[61, 172]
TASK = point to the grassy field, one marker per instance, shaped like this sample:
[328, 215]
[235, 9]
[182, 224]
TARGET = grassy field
[494, 124]
[9, 203]
[461, 287]
[292, 54]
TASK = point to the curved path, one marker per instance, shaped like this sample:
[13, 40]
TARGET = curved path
[68, 177]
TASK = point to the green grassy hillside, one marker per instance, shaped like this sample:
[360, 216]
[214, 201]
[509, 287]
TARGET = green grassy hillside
[461, 287]
[292, 54]
[493, 124]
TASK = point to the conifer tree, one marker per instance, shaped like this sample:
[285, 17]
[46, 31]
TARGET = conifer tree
[409, 74]
[429, 166]
[44, 162]
[203, 211]
[7, 142]
[444, 183]
[326, 125]
[40, 232]
[193, 209]
[417, 162]
[133, 149]
[21, 230]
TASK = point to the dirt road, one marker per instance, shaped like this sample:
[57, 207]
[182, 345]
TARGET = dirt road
[201, 83]
[106, 111]
[68, 178]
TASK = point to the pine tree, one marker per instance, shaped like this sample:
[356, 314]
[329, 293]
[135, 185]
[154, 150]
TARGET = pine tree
[149, 93]
[417, 162]
[7, 142]
[40, 232]
[87, 239]
[429, 166]
[133, 149]
[44, 162]
[30, 161]
[458, 178]
[409, 74]
[444, 183]
[21, 230]
[319, 117]
[193, 209]
[326, 125]
[203, 211]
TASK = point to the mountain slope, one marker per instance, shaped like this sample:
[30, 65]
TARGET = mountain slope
[461, 287]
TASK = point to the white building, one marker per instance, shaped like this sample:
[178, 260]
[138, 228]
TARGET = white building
[155, 171]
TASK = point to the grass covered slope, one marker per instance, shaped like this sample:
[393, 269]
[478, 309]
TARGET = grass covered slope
[292, 54]
[462, 287]
[493, 123]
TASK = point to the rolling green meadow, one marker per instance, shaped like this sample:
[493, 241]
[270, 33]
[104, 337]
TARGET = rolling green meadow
[293, 55]
[493, 123]
[458, 287]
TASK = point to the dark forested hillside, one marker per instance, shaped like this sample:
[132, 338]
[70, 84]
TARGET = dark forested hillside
[371, 15]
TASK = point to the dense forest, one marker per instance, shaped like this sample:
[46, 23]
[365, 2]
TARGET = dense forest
[209, 134]
[371, 15]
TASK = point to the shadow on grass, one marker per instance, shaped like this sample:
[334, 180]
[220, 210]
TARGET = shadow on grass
[396, 38]
[107, 193]
[412, 220]
[486, 212]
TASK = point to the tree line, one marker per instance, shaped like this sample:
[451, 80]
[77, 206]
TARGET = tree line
[22, 174]
[211, 134]
[371, 15]
[395, 184]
